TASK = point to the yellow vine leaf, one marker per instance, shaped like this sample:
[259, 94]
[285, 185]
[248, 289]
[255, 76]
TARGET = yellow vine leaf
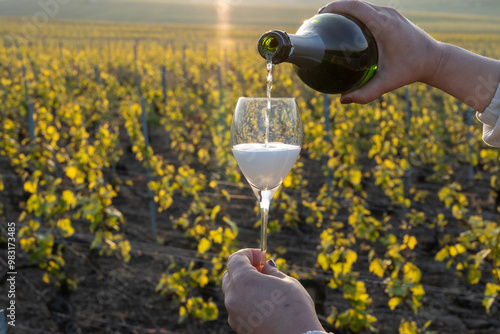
[46, 278]
[323, 262]
[410, 241]
[442, 254]
[377, 268]
[418, 290]
[65, 227]
[490, 293]
[204, 156]
[351, 257]
[393, 302]
[69, 198]
[356, 177]
[125, 250]
[230, 234]
[216, 235]
[287, 182]
[182, 314]
[204, 245]
[411, 273]
[407, 327]
[496, 273]
[30, 186]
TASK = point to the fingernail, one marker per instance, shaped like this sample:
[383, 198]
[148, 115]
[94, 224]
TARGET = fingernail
[272, 263]
[321, 9]
[346, 100]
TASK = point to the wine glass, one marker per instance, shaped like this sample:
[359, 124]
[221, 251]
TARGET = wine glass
[266, 137]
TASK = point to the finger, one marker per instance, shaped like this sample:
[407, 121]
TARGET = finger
[270, 269]
[244, 258]
[244, 262]
[363, 95]
[226, 281]
[377, 86]
[363, 11]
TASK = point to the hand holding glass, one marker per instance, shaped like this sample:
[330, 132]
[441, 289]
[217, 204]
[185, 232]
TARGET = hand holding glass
[266, 139]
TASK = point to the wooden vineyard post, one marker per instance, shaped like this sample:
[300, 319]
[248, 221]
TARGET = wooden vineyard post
[184, 61]
[31, 121]
[3, 329]
[152, 215]
[408, 139]
[221, 115]
[164, 84]
[97, 74]
[165, 93]
[470, 174]
[326, 115]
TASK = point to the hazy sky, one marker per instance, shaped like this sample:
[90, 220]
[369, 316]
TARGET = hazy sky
[235, 10]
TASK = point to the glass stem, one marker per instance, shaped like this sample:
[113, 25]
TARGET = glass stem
[265, 201]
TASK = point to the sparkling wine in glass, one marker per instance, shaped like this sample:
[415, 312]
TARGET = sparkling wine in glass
[266, 137]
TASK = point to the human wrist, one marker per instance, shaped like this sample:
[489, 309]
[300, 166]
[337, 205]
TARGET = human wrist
[439, 53]
[301, 325]
[469, 77]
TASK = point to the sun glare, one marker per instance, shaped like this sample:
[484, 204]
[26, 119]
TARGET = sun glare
[223, 8]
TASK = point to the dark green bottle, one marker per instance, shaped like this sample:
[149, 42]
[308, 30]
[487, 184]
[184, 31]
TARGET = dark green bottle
[330, 53]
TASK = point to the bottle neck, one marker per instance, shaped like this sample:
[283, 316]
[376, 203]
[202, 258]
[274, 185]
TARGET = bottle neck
[303, 50]
[307, 50]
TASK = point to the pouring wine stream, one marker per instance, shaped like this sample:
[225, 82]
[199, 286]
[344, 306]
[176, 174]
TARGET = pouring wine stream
[266, 195]
[269, 80]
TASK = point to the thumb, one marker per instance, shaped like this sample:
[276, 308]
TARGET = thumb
[270, 269]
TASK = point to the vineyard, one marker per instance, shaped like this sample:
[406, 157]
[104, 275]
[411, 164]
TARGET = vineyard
[116, 166]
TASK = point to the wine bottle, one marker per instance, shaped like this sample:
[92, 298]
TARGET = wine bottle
[330, 53]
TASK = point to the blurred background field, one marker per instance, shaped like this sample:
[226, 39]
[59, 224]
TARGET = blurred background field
[467, 16]
[115, 164]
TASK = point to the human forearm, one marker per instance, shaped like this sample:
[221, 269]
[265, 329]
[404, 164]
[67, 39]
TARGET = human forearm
[469, 77]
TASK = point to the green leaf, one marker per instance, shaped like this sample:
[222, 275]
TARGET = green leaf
[474, 275]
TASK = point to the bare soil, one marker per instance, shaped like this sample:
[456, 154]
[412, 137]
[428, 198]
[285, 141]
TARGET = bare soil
[117, 297]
